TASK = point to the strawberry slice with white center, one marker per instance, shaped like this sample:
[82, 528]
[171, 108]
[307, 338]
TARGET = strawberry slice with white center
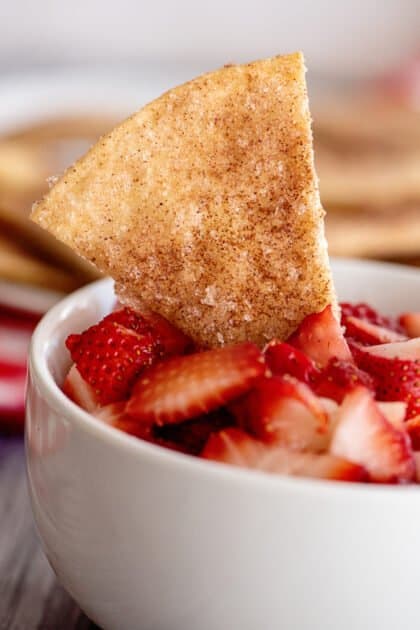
[185, 387]
[395, 368]
[282, 358]
[394, 411]
[321, 338]
[234, 446]
[363, 435]
[368, 314]
[367, 333]
[411, 324]
[79, 390]
[285, 411]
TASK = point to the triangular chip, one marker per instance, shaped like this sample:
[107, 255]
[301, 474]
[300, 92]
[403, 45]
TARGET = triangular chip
[204, 205]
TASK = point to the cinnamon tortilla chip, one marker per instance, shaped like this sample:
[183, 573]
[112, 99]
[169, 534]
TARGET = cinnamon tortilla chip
[204, 205]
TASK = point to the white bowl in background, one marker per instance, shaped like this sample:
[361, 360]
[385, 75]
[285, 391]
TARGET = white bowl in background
[143, 537]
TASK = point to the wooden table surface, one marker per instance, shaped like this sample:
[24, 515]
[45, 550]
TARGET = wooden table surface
[30, 596]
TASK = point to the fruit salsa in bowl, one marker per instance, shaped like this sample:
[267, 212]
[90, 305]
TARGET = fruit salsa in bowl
[137, 531]
[333, 401]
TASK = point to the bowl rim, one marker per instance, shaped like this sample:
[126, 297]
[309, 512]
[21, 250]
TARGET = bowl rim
[87, 423]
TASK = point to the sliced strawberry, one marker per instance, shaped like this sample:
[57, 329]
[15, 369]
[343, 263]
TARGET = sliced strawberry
[396, 371]
[417, 461]
[110, 356]
[410, 322]
[394, 411]
[409, 349]
[363, 435]
[185, 387]
[191, 436]
[321, 338]
[281, 358]
[285, 411]
[79, 391]
[412, 427]
[366, 333]
[234, 446]
[112, 414]
[173, 340]
[130, 319]
[338, 378]
[368, 314]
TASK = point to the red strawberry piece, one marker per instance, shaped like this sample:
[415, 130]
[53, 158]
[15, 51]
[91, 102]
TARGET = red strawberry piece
[363, 435]
[394, 411]
[283, 410]
[366, 333]
[130, 319]
[395, 368]
[185, 387]
[410, 322]
[173, 340]
[191, 436]
[281, 358]
[338, 378]
[417, 461]
[234, 446]
[110, 357]
[79, 390]
[368, 314]
[412, 427]
[12, 396]
[321, 338]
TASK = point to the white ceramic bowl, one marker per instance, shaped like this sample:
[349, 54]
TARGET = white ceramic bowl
[143, 537]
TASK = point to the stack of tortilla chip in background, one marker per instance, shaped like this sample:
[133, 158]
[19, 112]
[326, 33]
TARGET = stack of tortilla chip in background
[367, 153]
[28, 157]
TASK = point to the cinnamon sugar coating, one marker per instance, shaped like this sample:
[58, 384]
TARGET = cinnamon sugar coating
[204, 206]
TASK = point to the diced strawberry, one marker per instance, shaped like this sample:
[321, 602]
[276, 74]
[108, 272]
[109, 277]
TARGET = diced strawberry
[412, 427]
[110, 356]
[79, 391]
[191, 436]
[130, 319]
[366, 333]
[321, 338]
[173, 340]
[185, 387]
[12, 396]
[363, 435]
[394, 411]
[281, 358]
[234, 446]
[285, 411]
[368, 314]
[395, 368]
[409, 349]
[410, 322]
[112, 414]
[338, 378]
[417, 462]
